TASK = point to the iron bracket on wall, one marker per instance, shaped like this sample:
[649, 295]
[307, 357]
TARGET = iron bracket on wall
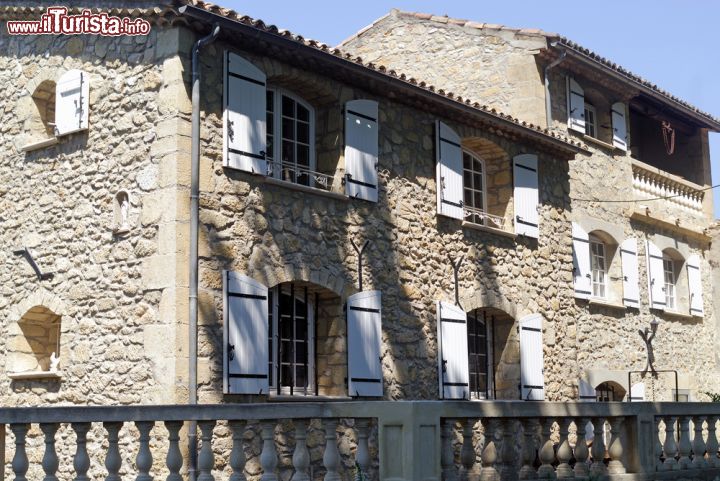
[360, 254]
[456, 268]
[26, 254]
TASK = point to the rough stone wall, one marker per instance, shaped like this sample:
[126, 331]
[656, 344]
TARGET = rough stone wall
[490, 65]
[275, 234]
[463, 60]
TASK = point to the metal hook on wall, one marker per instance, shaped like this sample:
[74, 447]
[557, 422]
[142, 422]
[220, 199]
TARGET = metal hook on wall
[26, 254]
[360, 254]
[456, 268]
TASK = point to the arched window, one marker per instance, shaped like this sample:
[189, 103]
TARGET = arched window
[675, 281]
[44, 98]
[34, 345]
[599, 267]
[290, 137]
[292, 334]
[669, 281]
[474, 188]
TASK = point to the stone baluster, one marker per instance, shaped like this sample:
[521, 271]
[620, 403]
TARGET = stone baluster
[530, 428]
[670, 446]
[684, 446]
[362, 455]
[659, 452]
[467, 453]
[564, 453]
[712, 442]
[581, 449]
[237, 454]
[50, 460]
[615, 450]
[489, 471]
[698, 444]
[113, 461]
[206, 458]
[144, 458]
[598, 467]
[331, 457]
[508, 451]
[268, 455]
[174, 459]
[301, 456]
[81, 461]
[447, 456]
[547, 453]
[20, 462]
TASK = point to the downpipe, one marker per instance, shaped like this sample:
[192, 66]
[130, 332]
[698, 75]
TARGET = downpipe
[193, 266]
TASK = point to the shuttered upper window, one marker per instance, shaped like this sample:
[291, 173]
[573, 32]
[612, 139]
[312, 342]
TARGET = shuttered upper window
[474, 188]
[669, 280]
[290, 138]
[598, 266]
[590, 120]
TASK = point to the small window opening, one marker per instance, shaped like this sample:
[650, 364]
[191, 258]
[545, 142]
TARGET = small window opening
[590, 120]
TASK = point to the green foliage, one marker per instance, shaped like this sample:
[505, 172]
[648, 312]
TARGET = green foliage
[714, 397]
[359, 475]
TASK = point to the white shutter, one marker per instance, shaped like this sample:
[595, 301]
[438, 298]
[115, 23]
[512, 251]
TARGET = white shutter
[631, 284]
[581, 262]
[449, 173]
[586, 391]
[364, 325]
[72, 101]
[525, 177]
[453, 371]
[245, 115]
[656, 276]
[619, 126]
[532, 378]
[637, 392]
[576, 106]
[361, 149]
[245, 353]
[695, 284]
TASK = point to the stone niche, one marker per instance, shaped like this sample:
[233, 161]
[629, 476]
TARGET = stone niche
[34, 345]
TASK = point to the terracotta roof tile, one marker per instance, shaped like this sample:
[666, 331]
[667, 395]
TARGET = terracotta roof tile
[572, 45]
[382, 69]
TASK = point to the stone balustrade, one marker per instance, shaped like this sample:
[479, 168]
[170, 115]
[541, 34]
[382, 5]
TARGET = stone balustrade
[393, 441]
[650, 182]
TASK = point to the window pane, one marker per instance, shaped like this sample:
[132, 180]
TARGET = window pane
[301, 352]
[303, 113]
[479, 200]
[467, 161]
[288, 106]
[286, 372]
[303, 132]
[288, 128]
[270, 100]
[286, 352]
[300, 376]
[286, 331]
[301, 329]
[468, 179]
[288, 153]
[303, 155]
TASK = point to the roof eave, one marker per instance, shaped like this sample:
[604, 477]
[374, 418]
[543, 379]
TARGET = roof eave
[586, 59]
[211, 18]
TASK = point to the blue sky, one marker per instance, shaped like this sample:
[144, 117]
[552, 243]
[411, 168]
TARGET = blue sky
[674, 44]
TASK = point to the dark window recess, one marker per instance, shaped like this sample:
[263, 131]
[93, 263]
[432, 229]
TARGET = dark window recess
[293, 348]
[478, 354]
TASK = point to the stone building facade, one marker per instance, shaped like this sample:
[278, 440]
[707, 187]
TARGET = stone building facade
[105, 210]
[631, 158]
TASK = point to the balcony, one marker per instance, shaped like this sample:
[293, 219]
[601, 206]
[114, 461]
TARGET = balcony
[381, 440]
[671, 200]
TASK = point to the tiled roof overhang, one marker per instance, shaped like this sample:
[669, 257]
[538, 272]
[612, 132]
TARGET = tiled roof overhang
[642, 88]
[320, 58]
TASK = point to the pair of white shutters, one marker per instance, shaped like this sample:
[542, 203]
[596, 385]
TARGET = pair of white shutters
[656, 280]
[72, 102]
[582, 271]
[453, 367]
[576, 114]
[245, 128]
[450, 185]
[246, 347]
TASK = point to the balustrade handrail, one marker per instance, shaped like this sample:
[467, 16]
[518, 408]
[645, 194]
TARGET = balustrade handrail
[349, 409]
[650, 169]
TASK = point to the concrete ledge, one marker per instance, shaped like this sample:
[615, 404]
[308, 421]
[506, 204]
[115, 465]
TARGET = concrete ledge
[491, 230]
